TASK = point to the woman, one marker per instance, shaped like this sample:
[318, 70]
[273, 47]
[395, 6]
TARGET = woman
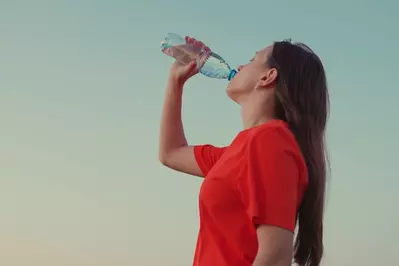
[272, 176]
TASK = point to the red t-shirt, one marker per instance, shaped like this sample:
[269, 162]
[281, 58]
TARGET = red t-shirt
[260, 178]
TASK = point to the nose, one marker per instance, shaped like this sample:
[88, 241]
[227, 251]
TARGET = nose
[240, 67]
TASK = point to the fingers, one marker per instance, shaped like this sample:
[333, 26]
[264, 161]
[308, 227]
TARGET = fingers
[197, 43]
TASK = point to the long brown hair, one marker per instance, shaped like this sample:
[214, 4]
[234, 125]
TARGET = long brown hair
[302, 101]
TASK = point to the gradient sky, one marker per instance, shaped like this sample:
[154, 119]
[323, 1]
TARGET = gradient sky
[81, 89]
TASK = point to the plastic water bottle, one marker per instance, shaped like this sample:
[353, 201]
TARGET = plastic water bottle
[209, 63]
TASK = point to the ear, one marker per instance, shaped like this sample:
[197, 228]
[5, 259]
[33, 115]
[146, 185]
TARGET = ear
[268, 79]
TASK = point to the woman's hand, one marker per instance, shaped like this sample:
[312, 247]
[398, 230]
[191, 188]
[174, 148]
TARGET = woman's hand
[180, 72]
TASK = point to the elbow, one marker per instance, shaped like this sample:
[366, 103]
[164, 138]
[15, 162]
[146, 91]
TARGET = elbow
[163, 158]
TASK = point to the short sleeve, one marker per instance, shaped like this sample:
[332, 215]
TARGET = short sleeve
[207, 156]
[269, 187]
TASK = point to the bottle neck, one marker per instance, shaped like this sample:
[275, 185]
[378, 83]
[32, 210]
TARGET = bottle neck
[232, 74]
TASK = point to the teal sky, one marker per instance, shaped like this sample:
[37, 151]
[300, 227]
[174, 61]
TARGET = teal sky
[81, 89]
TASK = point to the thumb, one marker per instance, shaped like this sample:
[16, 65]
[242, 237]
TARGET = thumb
[192, 66]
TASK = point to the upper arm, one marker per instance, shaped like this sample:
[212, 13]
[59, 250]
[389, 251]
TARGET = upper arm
[193, 160]
[275, 246]
[206, 156]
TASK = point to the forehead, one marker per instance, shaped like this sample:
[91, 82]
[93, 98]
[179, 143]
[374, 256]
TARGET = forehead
[265, 52]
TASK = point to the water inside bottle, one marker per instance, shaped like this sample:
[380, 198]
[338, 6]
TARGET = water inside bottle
[210, 64]
[216, 67]
[185, 53]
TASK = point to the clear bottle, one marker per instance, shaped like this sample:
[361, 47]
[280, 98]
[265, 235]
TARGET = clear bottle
[209, 63]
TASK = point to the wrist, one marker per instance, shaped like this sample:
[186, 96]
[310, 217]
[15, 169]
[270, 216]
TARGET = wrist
[175, 82]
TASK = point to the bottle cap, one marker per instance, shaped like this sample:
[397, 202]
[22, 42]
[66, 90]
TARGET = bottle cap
[232, 74]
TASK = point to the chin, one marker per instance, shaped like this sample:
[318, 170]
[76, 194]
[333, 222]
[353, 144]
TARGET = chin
[231, 93]
[228, 91]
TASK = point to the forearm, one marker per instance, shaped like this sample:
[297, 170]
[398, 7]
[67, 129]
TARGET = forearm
[171, 130]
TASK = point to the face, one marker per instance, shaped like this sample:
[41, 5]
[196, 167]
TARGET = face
[251, 76]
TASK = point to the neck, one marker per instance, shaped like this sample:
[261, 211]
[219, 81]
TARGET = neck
[256, 112]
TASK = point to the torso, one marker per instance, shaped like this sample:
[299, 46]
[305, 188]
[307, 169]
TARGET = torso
[227, 233]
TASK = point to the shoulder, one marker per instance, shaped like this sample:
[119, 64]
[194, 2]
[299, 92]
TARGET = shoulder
[274, 143]
[275, 133]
